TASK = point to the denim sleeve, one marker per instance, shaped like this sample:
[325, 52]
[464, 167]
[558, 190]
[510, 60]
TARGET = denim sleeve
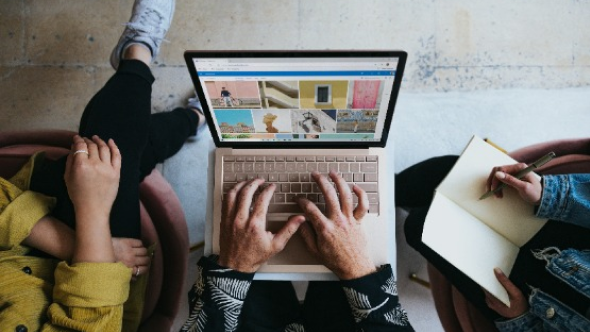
[523, 323]
[566, 197]
[216, 298]
[374, 302]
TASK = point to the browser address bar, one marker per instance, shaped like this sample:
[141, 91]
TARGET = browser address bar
[305, 64]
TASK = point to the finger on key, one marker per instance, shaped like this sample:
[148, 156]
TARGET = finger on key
[313, 215]
[346, 203]
[245, 200]
[228, 211]
[363, 206]
[330, 195]
[261, 205]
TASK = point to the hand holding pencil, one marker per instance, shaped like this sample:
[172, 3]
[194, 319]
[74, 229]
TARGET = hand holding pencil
[520, 177]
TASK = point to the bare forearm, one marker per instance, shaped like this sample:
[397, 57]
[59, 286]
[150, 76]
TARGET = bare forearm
[53, 237]
[93, 238]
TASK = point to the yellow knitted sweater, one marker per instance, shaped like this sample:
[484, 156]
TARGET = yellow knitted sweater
[40, 294]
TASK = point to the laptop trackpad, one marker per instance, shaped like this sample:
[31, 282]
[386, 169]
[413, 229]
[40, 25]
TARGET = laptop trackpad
[295, 253]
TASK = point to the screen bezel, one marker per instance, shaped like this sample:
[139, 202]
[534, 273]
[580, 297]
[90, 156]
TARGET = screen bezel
[400, 55]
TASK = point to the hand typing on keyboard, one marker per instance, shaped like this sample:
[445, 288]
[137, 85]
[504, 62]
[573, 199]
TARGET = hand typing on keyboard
[336, 237]
[245, 244]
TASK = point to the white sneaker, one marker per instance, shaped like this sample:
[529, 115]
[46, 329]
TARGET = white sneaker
[149, 23]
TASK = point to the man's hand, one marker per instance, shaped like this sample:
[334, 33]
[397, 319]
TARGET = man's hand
[529, 187]
[337, 238]
[518, 303]
[92, 177]
[245, 244]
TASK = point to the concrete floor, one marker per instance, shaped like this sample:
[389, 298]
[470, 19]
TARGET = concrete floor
[54, 57]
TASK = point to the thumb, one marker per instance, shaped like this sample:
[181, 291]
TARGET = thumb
[309, 237]
[511, 288]
[284, 234]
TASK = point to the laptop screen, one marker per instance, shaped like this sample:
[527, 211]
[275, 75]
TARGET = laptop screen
[259, 99]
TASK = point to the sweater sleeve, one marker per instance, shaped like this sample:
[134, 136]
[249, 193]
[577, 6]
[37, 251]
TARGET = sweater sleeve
[88, 297]
[217, 297]
[20, 210]
[374, 302]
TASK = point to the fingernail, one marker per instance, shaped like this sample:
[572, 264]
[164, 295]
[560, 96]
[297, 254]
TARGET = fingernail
[497, 270]
[500, 175]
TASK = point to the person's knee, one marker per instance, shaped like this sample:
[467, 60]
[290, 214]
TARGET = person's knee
[414, 226]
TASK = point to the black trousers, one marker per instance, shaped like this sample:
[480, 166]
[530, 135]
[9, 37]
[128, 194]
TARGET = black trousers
[414, 189]
[121, 110]
[272, 305]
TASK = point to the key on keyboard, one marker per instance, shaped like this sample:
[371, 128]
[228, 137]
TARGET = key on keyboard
[292, 177]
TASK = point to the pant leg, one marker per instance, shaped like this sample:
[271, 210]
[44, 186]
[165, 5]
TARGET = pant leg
[168, 132]
[121, 111]
[470, 289]
[414, 189]
[269, 307]
[326, 308]
[414, 186]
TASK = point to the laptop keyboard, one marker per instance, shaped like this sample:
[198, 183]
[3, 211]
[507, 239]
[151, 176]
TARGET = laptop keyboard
[292, 176]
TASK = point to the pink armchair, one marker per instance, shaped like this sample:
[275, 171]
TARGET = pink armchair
[455, 312]
[162, 221]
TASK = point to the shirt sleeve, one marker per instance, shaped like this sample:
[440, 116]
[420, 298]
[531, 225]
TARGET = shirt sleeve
[374, 302]
[566, 197]
[523, 323]
[217, 297]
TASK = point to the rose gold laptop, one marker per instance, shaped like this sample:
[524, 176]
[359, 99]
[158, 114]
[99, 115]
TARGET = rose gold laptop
[280, 115]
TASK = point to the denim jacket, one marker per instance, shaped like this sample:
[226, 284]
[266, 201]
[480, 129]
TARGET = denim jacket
[565, 198]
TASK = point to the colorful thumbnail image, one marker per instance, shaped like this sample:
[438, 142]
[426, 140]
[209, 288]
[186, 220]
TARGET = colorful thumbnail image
[235, 121]
[284, 137]
[247, 136]
[313, 121]
[306, 136]
[357, 121]
[365, 94]
[279, 94]
[334, 137]
[233, 94]
[323, 94]
[272, 121]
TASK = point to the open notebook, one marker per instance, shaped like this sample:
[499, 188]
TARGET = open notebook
[478, 235]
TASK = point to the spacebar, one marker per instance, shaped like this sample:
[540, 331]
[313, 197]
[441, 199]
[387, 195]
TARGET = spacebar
[284, 208]
[291, 208]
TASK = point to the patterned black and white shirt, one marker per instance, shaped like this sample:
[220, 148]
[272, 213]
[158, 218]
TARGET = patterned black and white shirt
[218, 295]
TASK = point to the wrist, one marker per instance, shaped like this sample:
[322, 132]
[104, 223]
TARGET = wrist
[92, 217]
[357, 272]
[234, 265]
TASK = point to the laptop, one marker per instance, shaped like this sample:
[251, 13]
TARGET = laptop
[280, 115]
